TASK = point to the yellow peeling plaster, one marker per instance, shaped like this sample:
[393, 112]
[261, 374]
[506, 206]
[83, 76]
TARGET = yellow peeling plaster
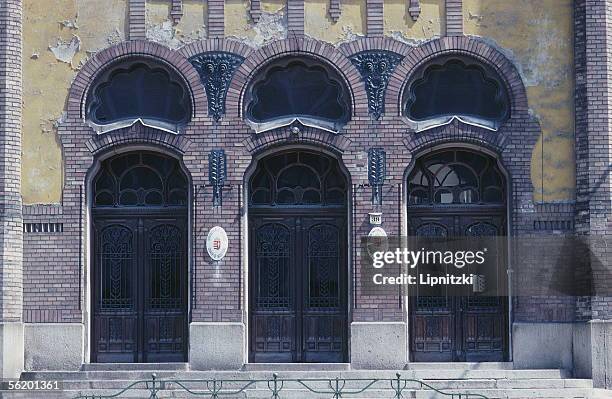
[46, 79]
[271, 25]
[191, 26]
[318, 24]
[399, 24]
[539, 35]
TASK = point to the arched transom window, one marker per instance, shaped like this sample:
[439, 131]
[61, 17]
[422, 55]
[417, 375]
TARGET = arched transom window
[297, 89]
[299, 178]
[139, 90]
[461, 88]
[455, 177]
[139, 179]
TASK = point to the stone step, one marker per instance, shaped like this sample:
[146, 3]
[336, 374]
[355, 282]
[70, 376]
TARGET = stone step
[438, 384]
[457, 374]
[460, 366]
[134, 366]
[297, 366]
[574, 393]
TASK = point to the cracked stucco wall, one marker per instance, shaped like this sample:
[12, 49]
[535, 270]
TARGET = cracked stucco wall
[538, 37]
[272, 24]
[191, 27]
[57, 39]
[400, 26]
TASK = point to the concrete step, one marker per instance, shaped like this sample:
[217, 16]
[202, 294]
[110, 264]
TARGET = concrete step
[460, 366]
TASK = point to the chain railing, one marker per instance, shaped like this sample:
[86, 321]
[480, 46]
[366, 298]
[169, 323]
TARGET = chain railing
[332, 388]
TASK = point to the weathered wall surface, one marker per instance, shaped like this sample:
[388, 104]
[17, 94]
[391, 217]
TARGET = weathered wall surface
[59, 37]
[399, 24]
[538, 37]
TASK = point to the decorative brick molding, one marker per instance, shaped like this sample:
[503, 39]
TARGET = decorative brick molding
[43, 227]
[176, 10]
[374, 18]
[414, 9]
[41, 209]
[283, 136]
[466, 46]
[295, 18]
[145, 49]
[255, 10]
[138, 134]
[11, 234]
[454, 17]
[296, 47]
[137, 10]
[335, 10]
[216, 18]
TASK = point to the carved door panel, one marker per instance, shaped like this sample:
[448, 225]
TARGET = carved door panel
[298, 304]
[458, 328]
[323, 286]
[140, 289]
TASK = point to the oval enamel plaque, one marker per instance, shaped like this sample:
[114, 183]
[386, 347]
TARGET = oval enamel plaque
[216, 243]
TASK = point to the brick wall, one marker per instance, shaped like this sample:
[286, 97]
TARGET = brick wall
[10, 161]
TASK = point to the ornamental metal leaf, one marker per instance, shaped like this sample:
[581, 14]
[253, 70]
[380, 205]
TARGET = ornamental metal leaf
[217, 172]
[376, 67]
[377, 171]
[216, 70]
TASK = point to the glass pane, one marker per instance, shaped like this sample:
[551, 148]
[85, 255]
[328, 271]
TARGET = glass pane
[456, 88]
[299, 89]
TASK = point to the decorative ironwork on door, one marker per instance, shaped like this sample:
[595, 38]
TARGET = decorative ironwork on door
[140, 260]
[457, 193]
[297, 257]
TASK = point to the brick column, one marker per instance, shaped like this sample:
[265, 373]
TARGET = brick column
[11, 235]
[593, 57]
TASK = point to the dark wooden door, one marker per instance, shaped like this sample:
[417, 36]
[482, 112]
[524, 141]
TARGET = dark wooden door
[298, 287]
[467, 327]
[139, 287]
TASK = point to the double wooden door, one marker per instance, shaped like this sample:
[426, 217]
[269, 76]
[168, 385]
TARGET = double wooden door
[139, 287]
[465, 326]
[298, 284]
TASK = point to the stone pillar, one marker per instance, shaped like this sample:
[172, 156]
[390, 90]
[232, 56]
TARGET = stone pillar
[11, 230]
[593, 58]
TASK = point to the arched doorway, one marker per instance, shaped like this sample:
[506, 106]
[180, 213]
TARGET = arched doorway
[139, 252]
[457, 192]
[297, 259]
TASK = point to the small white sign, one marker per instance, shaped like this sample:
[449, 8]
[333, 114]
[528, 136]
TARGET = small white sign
[375, 218]
[377, 240]
[216, 243]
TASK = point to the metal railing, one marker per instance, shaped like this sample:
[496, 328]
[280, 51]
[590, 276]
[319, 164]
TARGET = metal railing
[332, 388]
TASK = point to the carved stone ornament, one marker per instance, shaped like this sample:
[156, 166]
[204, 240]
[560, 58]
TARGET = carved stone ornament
[414, 9]
[216, 70]
[376, 67]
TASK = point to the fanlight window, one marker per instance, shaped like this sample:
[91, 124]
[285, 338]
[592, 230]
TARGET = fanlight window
[298, 179]
[456, 177]
[455, 88]
[140, 179]
[298, 90]
[138, 91]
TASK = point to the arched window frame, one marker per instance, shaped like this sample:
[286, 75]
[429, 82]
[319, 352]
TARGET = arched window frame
[422, 167]
[169, 191]
[329, 125]
[327, 190]
[489, 74]
[105, 77]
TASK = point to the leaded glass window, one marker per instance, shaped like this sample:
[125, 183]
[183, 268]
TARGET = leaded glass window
[455, 177]
[140, 179]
